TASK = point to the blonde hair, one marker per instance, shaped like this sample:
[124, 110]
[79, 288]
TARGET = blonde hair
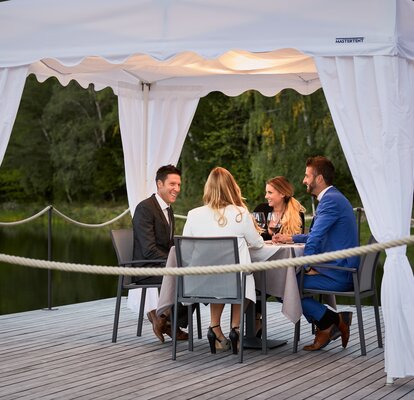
[220, 191]
[291, 220]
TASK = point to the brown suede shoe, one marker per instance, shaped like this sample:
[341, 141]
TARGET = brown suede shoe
[345, 320]
[322, 338]
[181, 335]
[159, 324]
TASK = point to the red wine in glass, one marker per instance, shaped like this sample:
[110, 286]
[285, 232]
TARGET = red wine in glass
[276, 229]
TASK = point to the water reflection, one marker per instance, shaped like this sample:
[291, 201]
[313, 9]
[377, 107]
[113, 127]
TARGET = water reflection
[24, 288]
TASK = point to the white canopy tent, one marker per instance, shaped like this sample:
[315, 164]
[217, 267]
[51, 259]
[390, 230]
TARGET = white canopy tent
[160, 57]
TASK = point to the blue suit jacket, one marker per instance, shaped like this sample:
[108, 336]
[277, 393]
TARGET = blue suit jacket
[334, 228]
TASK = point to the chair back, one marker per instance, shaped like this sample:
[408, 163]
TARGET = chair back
[123, 242]
[367, 269]
[197, 251]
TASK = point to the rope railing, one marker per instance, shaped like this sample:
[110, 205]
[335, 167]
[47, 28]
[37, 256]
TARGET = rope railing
[23, 221]
[90, 225]
[61, 214]
[206, 270]
[102, 224]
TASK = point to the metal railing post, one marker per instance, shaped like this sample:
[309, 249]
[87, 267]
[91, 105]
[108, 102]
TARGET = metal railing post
[49, 257]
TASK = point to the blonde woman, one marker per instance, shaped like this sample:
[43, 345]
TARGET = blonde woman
[225, 214]
[282, 211]
[284, 215]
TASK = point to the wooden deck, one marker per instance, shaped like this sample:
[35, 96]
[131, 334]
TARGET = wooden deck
[68, 354]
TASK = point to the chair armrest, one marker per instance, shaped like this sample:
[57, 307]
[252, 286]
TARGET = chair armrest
[331, 266]
[137, 262]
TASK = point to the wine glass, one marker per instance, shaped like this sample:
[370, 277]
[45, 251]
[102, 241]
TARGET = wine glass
[260, 219]
[274, 226]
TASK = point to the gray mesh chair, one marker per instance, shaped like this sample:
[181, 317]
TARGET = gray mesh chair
[364, 286]
[226, 288]
[123, 242]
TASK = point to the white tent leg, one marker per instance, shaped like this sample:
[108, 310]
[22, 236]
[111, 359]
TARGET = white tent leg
[389, 380]
[145, 90]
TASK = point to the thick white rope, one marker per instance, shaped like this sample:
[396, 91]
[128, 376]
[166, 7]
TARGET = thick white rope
[90, 225]
[205, 270]
[40, 213]
[23, 221]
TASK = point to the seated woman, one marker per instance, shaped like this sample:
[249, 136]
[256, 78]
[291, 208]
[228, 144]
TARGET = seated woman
[225, 214]
[281, 208]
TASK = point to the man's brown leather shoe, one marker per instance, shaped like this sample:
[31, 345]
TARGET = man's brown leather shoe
[322, 338]
[159, 324]
[345, 320]
[181, 335]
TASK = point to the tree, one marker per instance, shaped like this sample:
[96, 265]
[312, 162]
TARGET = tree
[66, 143]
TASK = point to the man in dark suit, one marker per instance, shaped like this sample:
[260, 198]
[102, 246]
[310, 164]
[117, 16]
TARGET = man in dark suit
[153, 225]
[333, 228]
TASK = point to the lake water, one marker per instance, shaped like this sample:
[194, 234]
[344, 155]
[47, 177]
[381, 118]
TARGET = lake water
[26, 288]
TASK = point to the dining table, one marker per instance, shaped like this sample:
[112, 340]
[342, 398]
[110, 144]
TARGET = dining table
[278, 282]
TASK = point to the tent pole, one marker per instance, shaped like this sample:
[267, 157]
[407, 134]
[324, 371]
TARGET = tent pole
[145, 89]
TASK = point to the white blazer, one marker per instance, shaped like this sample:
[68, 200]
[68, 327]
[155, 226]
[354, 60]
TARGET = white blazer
[203, 221]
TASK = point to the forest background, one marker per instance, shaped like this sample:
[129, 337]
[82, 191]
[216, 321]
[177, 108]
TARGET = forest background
[65, 148]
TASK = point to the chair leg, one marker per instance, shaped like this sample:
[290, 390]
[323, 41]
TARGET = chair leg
[117, 309]
[190, 328]
[296, 336]
[377, 320]
[264, 311]
[241, 332]
[198, 313]
[360, 324]
[141, 311]
[174, 323]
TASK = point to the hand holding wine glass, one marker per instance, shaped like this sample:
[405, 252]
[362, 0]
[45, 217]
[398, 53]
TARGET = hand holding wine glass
[274, 225]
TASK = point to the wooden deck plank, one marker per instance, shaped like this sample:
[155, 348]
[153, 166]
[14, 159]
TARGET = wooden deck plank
[68, 354]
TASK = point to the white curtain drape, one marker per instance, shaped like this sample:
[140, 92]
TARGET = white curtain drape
[154, 124]
[372, 104]
[12, 82]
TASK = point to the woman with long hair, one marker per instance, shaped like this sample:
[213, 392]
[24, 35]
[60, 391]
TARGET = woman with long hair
[284, 214]
[282, 211]
[225, 214]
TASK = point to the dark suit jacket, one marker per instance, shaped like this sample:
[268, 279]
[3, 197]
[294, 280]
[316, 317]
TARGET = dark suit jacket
[152, 234]
[266, 209]
[334, 228]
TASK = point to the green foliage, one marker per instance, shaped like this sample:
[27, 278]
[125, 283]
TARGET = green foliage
[66, 145]
[258, 137]
[215, 139]
[10, 187]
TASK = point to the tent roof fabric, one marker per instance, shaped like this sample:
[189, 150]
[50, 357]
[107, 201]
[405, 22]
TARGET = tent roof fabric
[69, 31]
[185, 42]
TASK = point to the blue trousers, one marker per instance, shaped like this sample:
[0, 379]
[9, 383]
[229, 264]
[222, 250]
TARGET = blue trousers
[312, 309]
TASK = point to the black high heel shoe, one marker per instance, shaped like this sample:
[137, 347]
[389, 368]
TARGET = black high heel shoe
[234, 336]
[215, 342]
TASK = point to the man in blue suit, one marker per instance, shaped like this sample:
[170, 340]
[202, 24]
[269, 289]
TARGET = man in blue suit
[333, 228]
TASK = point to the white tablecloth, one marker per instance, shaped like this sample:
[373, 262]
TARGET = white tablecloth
[281, 282]
[134, 300]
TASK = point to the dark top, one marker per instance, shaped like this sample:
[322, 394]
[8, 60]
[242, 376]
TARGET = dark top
[266, 209]
[152, 233]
